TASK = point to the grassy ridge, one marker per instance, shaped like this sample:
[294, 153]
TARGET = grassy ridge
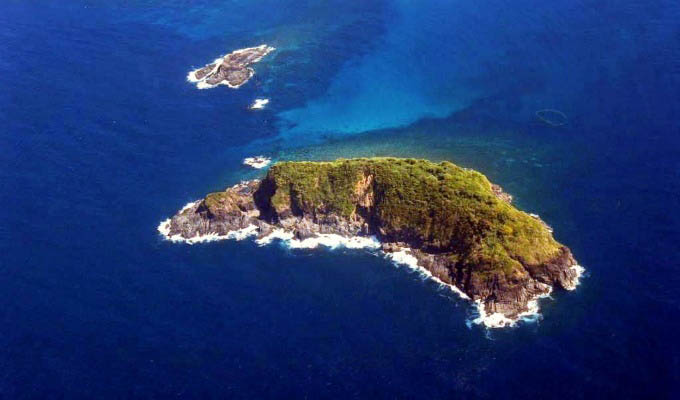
[437, 206]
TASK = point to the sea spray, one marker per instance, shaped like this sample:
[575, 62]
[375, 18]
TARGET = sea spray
[257, 162]
[259, 104]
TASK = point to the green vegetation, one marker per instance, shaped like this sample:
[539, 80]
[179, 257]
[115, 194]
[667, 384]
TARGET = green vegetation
[437, 207]
[316, 187]
[226, 203]
[215, 201]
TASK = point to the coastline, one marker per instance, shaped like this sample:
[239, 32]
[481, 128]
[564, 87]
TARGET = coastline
[340, 203]
[402, 257]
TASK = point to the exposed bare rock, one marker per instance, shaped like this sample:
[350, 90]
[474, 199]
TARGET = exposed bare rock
[232, 70]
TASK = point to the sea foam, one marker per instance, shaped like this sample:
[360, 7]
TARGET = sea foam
[579, 273]
[257, 162]
[259, 104]
[240, 234]
[329, 240]
[498, 320]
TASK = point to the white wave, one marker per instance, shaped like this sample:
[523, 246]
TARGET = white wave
[259, 104]
[403, 257]
[494, 320]
[164, 229]
[204, 85]
[239, 234]
[191, 76]
[498, 320]
[250, 230]
[331, 241]
[164, 226]
[579, 273]
[334, 241]
[257, 161]
[276, 234]
[322, 239]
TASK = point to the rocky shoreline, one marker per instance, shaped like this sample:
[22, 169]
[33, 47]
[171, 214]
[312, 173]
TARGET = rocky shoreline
[232, 70]
[250, 208]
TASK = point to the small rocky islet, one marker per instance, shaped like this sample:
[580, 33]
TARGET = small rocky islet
[232, 70]
[460, 227]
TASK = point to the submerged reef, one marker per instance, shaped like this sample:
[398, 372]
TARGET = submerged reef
[232, 70]
[459, 227]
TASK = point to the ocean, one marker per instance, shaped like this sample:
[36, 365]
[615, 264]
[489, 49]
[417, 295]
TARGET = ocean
[103, 137]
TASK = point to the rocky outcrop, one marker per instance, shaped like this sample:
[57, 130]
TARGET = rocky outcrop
[232, 70]
[467, 233]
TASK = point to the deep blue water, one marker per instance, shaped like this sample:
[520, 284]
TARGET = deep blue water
[101, 138]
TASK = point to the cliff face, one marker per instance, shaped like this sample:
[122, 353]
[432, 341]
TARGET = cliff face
[459, 226]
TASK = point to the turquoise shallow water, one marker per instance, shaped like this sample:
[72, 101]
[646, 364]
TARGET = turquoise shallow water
[103, 138]
[395, 82]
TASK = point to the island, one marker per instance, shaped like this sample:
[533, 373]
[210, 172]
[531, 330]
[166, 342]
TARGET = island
[455, 224]
[232, 70]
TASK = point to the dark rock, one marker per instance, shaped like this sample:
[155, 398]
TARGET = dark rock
[233, 69]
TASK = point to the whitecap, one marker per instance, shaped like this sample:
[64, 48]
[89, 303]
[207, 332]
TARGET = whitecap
[164, 226]
[329, 240]
[257, 162]
[579, 273]
[279, 234]
[493, 320]
[498, 320]
[259, 104]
